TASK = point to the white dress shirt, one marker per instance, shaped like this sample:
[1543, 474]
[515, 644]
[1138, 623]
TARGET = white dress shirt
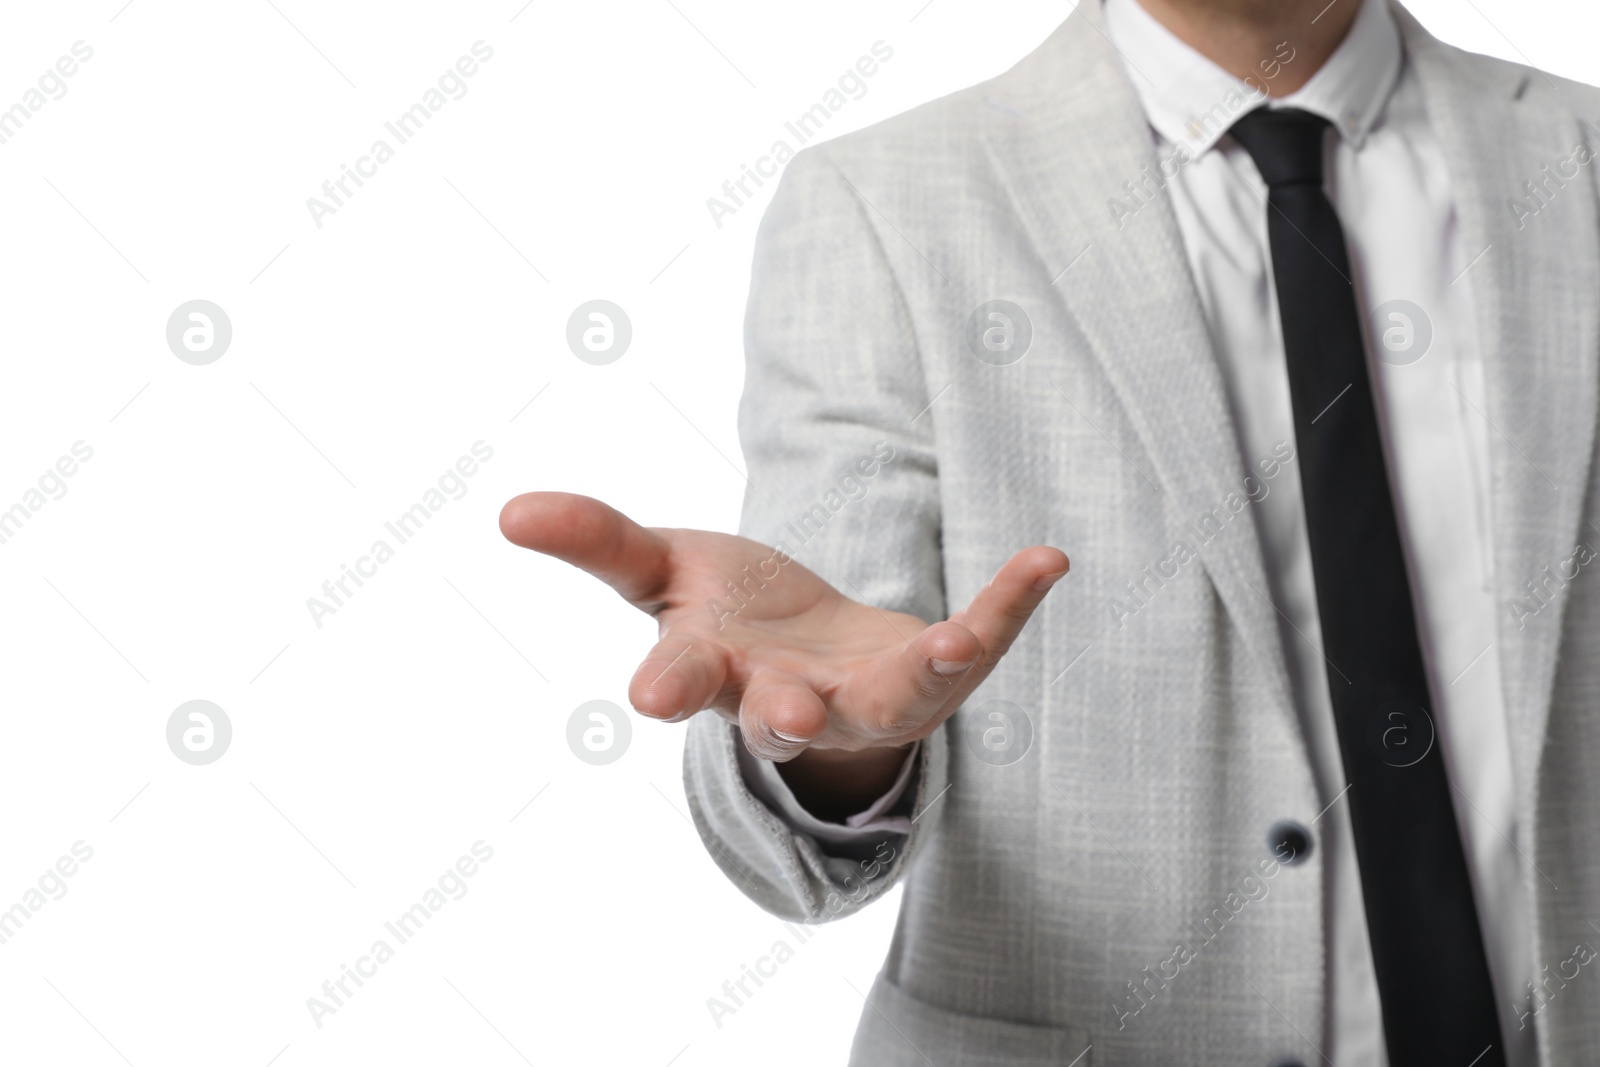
[1387, 180]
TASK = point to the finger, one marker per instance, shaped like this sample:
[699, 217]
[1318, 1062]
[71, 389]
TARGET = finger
[904, 689]
[780, 715]
[594, 536]
[680, 676]
[1002, 608]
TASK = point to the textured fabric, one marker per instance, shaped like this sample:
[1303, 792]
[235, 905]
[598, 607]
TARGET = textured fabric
[1389, 180]
[1115, 885]
[1428, 953]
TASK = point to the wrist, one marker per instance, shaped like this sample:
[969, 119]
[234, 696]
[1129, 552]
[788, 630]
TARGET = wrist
[834, 784]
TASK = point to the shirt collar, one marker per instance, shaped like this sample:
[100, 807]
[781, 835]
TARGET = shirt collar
[1190, 101]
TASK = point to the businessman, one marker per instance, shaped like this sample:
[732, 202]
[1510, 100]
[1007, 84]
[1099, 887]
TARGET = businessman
[1283, 319]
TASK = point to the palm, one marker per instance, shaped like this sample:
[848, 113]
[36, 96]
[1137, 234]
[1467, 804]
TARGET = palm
[792, 625]
[793, 660]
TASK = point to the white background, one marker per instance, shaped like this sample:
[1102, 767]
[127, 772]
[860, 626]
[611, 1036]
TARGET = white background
[371, 752]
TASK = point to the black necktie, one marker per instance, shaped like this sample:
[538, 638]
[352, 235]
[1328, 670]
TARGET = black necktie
[1433, 977]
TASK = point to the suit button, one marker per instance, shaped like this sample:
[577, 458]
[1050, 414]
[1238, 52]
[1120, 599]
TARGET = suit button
[1289, 841]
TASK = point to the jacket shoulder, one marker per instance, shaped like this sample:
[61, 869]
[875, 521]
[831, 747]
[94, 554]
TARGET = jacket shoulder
[1528, 83]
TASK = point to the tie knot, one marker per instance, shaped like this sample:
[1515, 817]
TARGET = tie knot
[1285, 143]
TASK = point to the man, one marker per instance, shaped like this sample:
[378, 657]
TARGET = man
[1284, 319]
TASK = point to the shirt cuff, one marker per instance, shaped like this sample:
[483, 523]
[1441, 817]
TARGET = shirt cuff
[761, 777]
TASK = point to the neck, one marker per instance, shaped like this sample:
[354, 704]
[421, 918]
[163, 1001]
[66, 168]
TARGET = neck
[1251, 38]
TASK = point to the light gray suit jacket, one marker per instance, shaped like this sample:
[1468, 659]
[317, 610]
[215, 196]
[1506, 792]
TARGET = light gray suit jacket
[1162, 750]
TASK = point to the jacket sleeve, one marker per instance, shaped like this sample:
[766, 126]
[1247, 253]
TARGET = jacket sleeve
[837, 431]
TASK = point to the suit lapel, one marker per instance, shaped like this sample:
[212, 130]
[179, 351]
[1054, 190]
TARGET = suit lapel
[1535, 289]
[1075, 135]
